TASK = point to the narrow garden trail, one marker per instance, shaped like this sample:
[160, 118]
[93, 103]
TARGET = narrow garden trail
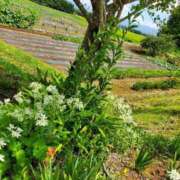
[59, 53]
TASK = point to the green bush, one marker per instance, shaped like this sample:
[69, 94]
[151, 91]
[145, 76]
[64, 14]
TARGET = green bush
[19, 17]
[62, 5]
[159, 145]
[157, 45]
[173, 60]
[167, 84]
[67, 38]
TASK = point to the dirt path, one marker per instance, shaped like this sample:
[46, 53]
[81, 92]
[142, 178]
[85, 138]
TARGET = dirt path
[58, 53]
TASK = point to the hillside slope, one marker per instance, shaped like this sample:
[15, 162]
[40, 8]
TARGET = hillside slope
[53, 21]
[59, 53]
[18, 69]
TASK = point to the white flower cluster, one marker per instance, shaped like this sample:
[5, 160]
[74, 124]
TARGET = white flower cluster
[123, 109]
[174, 175]
[2, 157]
[52, 89]
[35, 87]
[76, 103]
[2, 144]
[41, 119]
[7, 101]
[19, 97]
[15, 131]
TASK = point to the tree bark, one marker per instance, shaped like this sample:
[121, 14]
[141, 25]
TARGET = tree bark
[97, 22]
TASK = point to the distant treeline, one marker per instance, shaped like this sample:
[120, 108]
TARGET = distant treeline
[62, 5]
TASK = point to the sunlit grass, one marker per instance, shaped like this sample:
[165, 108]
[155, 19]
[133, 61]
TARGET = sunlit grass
[46, 12]
[132, 37]
[15, 62]
[156, 111]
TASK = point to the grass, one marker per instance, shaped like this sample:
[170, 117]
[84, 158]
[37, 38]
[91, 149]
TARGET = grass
[45, 13]
[19, 67]
[141, 73]
[68, 38]
[156, 111]
[132, 37]
[168, 60]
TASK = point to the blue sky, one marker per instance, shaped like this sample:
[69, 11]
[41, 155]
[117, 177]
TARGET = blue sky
[145, 19]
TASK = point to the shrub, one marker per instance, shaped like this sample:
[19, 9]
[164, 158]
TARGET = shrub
[166, 84]
[14, 15]
[42, 119]
[157, 45]
[62, 5]
[67, 38]
[173, 60]
[159, 145]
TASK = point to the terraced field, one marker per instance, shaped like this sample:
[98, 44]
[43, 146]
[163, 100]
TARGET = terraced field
[59, 53]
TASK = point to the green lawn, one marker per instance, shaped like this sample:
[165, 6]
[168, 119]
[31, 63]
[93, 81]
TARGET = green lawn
[132, 37]
[142, 73]
[44, 11]
[157, 111]
[45, 14]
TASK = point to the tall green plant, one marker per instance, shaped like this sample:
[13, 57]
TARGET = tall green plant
[92, 71]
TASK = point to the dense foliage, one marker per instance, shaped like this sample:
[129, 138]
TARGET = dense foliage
[173, 26]
[47, 121]
[62, 5]
[157, 45]
[19, 17]
[166, 84]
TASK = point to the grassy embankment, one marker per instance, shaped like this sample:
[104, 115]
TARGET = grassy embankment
[18, 69]
[44, 13]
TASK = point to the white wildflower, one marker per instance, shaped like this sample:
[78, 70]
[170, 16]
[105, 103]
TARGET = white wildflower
[60, 99]
[78, 104]
[62, 108]
[2, 158]
[174, 175]
[35, 86]
[19, 97]
[75, 102]
[15, 131]
[7, 101]
[1, 103]
[48, 99]
[2, 143]
[124, 111]
[70, 101]
[41, 119]
[52, 89]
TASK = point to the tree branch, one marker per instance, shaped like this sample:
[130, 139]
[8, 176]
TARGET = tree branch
[82, 9]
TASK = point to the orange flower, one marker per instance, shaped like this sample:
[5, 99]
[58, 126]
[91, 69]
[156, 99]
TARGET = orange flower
[51, 152]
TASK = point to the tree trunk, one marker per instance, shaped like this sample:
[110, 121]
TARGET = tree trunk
[97, 22]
